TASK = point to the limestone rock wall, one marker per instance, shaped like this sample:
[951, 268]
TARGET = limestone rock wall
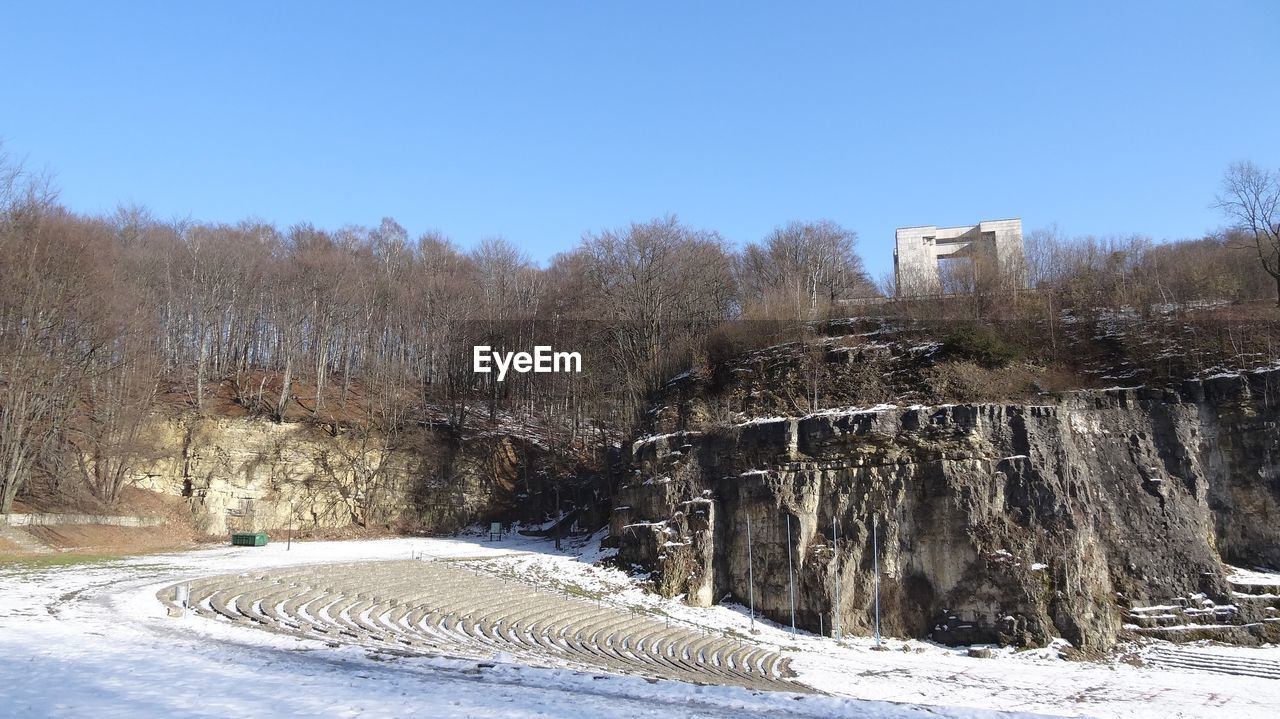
[249, 474]
[1006, 523]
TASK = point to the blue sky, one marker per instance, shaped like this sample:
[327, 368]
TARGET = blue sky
[538, 121]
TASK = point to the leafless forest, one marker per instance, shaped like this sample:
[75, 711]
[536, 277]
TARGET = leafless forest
[107, 319]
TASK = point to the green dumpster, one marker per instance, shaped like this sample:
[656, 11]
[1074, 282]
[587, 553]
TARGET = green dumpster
[257, 539]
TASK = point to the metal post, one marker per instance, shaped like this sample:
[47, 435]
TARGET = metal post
[558, 517]
[875, 567]
[835, 571]
[289, 544]
[791, 576]
[751, 577]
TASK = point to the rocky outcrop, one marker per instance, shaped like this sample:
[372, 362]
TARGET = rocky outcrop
[1005, 523]
[252, 474]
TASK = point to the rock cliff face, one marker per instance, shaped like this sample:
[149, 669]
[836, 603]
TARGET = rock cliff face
[250, 474]
[1007, 523]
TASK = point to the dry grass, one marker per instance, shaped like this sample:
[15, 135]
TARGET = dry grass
[969, 382]
[106, 540]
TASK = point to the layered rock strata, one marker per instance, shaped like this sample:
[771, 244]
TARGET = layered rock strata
[996, 523]
[253, 474]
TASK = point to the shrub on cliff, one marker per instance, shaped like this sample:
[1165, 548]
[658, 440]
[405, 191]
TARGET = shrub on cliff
[980, 343]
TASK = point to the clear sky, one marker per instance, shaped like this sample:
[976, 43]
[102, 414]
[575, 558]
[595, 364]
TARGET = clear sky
[538, 121]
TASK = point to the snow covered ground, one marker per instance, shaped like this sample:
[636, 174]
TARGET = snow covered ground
[925, 673]
[92, 640]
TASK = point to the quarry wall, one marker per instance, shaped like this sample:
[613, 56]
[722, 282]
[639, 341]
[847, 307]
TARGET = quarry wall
[1007, 523]
[240, 474]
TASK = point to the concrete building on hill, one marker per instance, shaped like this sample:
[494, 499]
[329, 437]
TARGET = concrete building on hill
[932, 260]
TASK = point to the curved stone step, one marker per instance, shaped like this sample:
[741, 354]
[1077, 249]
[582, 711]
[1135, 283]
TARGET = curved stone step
[421, 607]
[1218, 663]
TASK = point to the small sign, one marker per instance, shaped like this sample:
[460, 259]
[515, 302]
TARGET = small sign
[495, 531]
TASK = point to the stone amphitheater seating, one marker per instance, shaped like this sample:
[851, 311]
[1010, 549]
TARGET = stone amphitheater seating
[1253, 613]
[1182, 658]
[422, 607]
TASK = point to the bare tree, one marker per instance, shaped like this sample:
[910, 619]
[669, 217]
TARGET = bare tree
[659, 286]
[40, 359]
[106, 436]
[1250, 198]
[358, 463]
[803, 269]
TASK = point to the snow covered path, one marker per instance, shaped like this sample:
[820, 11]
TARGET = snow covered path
[93, 641]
